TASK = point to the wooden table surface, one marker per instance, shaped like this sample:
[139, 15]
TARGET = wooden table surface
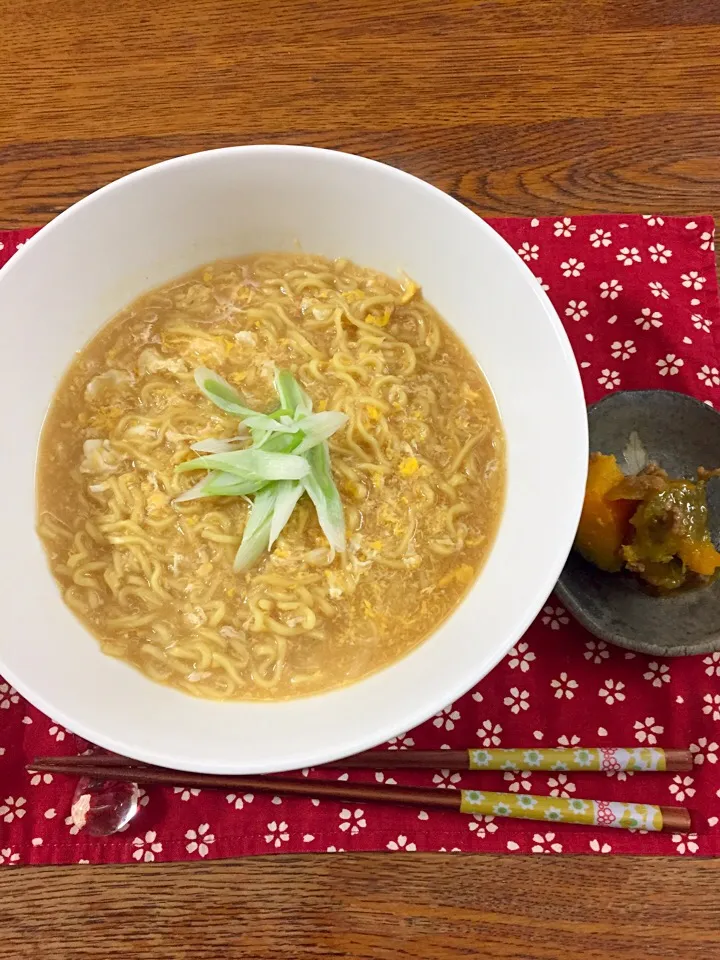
[514, 106]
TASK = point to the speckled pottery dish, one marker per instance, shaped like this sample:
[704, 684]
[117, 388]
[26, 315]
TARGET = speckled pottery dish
[679, 434]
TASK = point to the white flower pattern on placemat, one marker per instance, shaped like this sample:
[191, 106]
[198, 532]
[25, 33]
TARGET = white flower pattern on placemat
[669, 364]
[401, 742]
[446, 780]
[186, 792]
[658, 290]
[600, 238]
[489, 733]
[555, 617]
[620, 774]
[146, 847]
[682, 788]
[517, 700]
[199, 840]
[277, 834]
[596, 650]
[446, 718]
[381, 778]
[520, 656]
[701, 323]
[545, 843]
[685, 842]
[564, 227]
[623, 350]
[39, 778]
[704, 750]
[628, 256]
[352, 820]
[560, 786]
[74, 828]
[564, 687]
[238, 800]
[518, 780]
[693, 279]
[712, 664]
[8, 855]
[13, 808]
[401, 843]
[572, 267]
[653, 220]
[712, 705]
[576, 309]
[8, 696]
[648, 319]
[611, 289]
[565, 741]
[659, 253]
[481, 825]
[609, 379]
[657, 674]
[612, 691]
[709, 376]
[597, 847]
[529, 251]
[647, 731]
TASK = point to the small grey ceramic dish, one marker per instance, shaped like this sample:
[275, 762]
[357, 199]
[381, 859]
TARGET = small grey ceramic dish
[680, 434]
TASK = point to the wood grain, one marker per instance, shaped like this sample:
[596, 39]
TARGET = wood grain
[514, 106]
[369, 907]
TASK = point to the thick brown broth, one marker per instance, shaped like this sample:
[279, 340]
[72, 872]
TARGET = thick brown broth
[420, 467]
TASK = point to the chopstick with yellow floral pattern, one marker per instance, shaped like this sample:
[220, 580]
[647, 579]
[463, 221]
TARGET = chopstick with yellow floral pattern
[577, 759]
[608, 813]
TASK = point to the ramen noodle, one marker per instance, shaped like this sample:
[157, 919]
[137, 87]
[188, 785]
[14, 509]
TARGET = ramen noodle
[419, 465]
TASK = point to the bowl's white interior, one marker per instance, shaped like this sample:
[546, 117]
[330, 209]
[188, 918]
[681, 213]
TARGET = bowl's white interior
[148, 227]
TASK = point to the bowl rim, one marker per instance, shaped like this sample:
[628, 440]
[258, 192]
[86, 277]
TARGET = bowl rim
[545, 580]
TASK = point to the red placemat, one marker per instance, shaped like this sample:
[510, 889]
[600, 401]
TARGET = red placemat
[638, 297]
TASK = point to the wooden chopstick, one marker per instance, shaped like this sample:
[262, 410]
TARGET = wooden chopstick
[520, 806]
[576, 759]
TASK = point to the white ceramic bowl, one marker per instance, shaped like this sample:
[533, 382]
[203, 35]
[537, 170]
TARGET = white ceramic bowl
[150, 226]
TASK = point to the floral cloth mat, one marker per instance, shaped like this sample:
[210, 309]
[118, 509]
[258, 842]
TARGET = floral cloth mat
[638, 297]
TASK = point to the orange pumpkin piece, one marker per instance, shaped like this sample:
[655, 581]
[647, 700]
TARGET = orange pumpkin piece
[700, 557]
[603, 523]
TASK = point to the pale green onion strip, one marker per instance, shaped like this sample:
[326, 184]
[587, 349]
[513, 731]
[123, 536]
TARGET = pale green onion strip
[320, 487]
[251, 464]
[217, 484]
[219, 392]
[256, 536]
[288, 494]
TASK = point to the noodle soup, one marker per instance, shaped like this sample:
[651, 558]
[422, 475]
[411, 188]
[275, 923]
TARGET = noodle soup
[419, 464]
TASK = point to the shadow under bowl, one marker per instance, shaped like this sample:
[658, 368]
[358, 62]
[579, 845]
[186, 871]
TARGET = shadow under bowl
[680, 434]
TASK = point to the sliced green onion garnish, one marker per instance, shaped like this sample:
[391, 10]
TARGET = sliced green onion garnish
[288, 456]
